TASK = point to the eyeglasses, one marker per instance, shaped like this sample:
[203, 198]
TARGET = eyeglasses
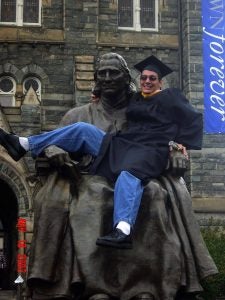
[151, 77]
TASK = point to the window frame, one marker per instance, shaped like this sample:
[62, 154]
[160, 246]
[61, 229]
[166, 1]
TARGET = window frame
[11, 94]
[136, 18]
[19, 15]
[13, 91]
[38, 91]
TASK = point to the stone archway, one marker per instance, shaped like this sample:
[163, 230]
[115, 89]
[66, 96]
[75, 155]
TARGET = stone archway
[8, 219]
[15, 177]
[15, 201]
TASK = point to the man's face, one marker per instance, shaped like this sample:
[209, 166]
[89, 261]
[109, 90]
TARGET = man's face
[150, 82]
[111, 78]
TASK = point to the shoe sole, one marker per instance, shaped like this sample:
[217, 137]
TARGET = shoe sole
[14, 153]
[15, 156]
[114, 245]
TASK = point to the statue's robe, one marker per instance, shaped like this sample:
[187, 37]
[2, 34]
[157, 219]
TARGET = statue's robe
[168, 251]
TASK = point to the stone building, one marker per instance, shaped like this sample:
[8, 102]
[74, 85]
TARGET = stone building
[48, 52]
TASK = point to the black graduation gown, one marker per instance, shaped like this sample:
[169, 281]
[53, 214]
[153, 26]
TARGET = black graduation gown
[143, 148]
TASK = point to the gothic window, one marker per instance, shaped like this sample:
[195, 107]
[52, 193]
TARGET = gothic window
[7, 91]
[20, 12]
[138, 15]
[35, 84]
[125, 13]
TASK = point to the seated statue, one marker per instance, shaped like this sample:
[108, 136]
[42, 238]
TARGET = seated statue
[72, 209]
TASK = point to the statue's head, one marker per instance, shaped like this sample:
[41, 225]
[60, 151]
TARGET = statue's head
[112, 74]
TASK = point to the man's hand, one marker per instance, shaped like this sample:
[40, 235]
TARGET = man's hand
[178, 147]
[183, 150]
[178, 159]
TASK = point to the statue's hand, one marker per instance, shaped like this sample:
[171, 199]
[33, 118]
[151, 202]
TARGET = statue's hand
[57, 159]
[53, 159]
[56, 156]
[178, 159]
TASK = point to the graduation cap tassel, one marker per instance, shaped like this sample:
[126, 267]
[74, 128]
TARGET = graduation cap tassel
[21, 245]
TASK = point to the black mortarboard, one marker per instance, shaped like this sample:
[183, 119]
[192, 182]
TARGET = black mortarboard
[152, 63]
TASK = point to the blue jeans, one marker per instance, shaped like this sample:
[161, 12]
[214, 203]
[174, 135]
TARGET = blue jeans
[127, 198]
[87, 138]
[80, 136]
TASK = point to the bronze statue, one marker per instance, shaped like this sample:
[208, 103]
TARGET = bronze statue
[169, 256]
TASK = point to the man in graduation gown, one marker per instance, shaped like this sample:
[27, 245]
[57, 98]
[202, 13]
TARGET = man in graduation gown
[168, 252]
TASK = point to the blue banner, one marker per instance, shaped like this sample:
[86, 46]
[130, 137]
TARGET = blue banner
[213, 24]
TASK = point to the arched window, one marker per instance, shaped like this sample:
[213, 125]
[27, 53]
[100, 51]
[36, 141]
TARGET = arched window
[7, 91]
[138, 15]
[33, 82]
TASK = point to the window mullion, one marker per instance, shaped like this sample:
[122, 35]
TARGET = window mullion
[137, 9]
[156, 14]
[19, 12]
[39, 13]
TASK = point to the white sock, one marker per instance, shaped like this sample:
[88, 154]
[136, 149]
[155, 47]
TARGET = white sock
[124, 227]
[24, 143]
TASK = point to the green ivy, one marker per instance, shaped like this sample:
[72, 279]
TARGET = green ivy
[214, 286]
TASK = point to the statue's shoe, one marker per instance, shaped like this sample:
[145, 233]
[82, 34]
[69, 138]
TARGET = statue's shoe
[116, 239]
[99, 297]
[11, 143]
[144, 296]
